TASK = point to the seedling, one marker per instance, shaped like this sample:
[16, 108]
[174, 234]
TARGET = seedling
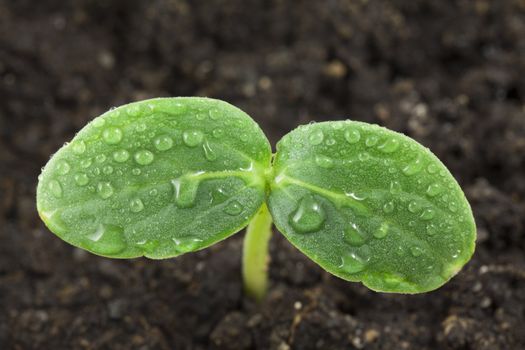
[164, 177]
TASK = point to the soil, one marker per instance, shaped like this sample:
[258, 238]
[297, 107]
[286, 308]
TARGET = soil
[447, 73]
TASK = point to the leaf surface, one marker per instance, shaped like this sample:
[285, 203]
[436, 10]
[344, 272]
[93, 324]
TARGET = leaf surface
[156, 178]
[371, 205]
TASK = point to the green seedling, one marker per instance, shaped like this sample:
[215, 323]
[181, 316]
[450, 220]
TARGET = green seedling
[163, 177]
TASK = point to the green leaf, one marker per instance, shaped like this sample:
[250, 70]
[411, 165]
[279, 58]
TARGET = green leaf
[157, 178]
[371, 205]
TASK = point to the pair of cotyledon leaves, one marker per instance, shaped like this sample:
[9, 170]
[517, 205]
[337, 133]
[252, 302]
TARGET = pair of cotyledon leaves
[163, 177]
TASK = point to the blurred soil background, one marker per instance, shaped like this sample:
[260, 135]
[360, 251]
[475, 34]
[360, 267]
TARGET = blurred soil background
[448, 73]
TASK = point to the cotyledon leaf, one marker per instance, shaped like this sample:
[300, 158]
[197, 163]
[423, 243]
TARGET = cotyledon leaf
[156, 178]
[371, 205]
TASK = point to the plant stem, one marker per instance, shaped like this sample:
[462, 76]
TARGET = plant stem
[255, 257]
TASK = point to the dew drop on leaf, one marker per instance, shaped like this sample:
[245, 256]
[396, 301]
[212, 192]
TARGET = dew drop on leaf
[108, 170]
[395, 187]
[414, 207]
[99, 122]
[382, 231]
[185, 191]
[353, 263]
[121, 156]
[389, 207]
[136, 171]
[107, 240]
[163, 143]
[316, 137]
[136, 205]
[433, 189]
[309, 215]
[112, 135]
[352, 136]
[234, 208]
[63, 167]
[144, 157]
[100, 158]
[104, 190]
[353, 236]
[209, 153]
[79, 147]
[428, 214]
[416, 251]
[81, 179]
[192, 138]
[86, 163]
[389, 146]
[218, 133]
[414, 167]
[186, 244]
[55, 188]
[324, 161]
[371, 141]
[431, 229]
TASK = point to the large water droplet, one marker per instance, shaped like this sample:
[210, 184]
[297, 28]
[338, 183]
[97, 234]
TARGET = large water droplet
[144, 157]
[105, 190]
[136, 205]
[79, 147]
[316, 137]
[112, 135]
[414, 207]
[352, 136]
[428, 214]
[309, 215]
[148, 246]
[121, 156]
[63, 167]
[389, 146]
[414, 167]
[371, 141]
[185, 189]
[381, 231]
[353, 236]
[107, 240]
[233, 208]
[192, 138]
[324, 161]
[395, 187]
[81, 179]
[55, 188]
[353, 263]
[433, 190]
[209, 153]
[389, 207]
[187, 244]
[163, 143]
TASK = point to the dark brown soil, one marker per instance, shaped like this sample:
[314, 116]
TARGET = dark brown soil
[448, 73]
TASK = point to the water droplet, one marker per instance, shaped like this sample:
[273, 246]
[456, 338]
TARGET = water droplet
[185, 191]
[389, 207]
[330, 142]
[316, 137]
[395, 187]
[416, 251]
[134, 110]
[63, 167]
[371, 141]
[148, 246]
[234, 208]
[55, 188]
[95, 171]
[112, 135]
[187, 244]
[153, 192]
[192, 138]
[108, 170]
[414, 167]
[453, 207]
[352, 136]
[209, 153]
[99, 122]
[144, 157]
[428, 214]
[433, 189]
[163, 143]
[382, 231]
[107, 240]
[121, 156]
[100, 158]
[141, 127]
[363, 156]
[389, 146]
[353, 263]
[324, 162]
[105, 190]
[353, 236]
[432, 168]
[136, 171]
[309, 215]
[81, 179]
[414, 207]
[431, 229]
[214, 114]
[79, 147]
[86, 163]
[218, 133]
[136, 205]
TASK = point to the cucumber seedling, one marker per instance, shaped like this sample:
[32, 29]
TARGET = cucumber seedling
[168, 176]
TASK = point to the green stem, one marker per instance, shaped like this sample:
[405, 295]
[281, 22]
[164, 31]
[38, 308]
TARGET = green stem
[255, 257]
